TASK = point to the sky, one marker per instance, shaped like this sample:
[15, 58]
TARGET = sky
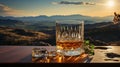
[93, 8]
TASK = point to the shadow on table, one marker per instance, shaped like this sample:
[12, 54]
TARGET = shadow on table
[89, 60]
[103, 48]
[111, 56]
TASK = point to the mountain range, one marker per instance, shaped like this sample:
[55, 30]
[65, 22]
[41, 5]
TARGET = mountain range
[77, 17]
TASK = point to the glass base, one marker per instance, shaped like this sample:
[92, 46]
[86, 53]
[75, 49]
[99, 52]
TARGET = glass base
[75, 52]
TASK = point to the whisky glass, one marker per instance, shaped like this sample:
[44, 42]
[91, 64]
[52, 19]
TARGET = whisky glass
[70, 37]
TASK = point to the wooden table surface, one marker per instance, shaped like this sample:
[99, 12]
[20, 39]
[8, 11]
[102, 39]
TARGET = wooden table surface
[23, 54]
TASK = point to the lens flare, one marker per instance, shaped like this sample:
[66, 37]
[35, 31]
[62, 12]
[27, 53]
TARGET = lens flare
[110, 3]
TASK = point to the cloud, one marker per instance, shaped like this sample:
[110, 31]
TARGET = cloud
[6, 10]
[74, 3]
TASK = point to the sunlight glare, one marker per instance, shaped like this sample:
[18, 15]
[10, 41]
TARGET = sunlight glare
[110, 3]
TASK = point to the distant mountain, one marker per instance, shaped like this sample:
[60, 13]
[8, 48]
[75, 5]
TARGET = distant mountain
[36, 26]
[11, 23]
[98, 25]
[87, 19]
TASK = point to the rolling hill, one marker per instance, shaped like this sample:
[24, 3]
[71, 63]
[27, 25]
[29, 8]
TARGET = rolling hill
[14, 36]
[103, 33]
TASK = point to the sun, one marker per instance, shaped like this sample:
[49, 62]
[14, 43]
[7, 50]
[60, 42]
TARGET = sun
[110, 3]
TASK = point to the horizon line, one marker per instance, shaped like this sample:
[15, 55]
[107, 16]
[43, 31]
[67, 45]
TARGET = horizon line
[57, 15]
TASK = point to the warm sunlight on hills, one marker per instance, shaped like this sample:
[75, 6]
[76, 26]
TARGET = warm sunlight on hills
[14, 36]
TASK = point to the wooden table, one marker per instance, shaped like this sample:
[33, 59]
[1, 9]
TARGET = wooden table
[23, 54]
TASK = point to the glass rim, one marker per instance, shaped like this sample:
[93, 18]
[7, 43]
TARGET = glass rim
[70, 21]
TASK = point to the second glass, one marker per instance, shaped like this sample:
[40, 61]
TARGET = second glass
[70, 37]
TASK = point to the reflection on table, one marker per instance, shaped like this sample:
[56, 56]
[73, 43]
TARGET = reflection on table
[43, 56]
